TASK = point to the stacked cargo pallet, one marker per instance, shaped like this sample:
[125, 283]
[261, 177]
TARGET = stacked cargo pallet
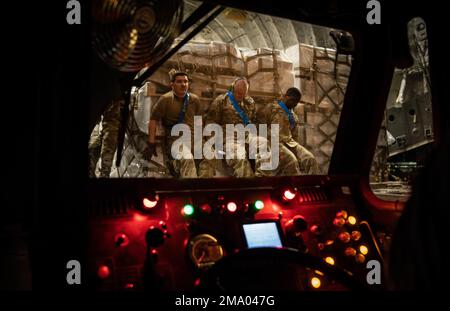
[322, 79]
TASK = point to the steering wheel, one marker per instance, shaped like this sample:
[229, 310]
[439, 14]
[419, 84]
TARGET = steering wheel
[263, 269]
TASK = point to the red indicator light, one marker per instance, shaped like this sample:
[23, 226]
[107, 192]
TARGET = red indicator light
[103, 272]
[206, 208]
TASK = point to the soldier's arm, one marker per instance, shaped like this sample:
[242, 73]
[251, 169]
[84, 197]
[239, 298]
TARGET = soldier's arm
[214, 114]
[152, 131]
[198, 109]
[277, 117]
[155, 116]
[252, 111]
[296, 130]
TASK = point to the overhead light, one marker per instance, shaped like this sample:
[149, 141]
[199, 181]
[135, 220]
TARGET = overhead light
[237, 16]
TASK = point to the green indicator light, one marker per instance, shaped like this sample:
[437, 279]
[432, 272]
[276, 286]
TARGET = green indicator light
[259, 205]
[188, 210]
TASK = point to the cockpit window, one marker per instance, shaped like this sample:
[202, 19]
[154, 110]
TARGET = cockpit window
[273, 55]
[407, 130]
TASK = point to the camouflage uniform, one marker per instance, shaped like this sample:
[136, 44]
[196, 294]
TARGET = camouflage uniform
[103, 141]
[294, 158]
[222, 113]
[167, 109]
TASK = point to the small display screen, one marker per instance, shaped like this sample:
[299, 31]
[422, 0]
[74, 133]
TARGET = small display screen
[264, 234]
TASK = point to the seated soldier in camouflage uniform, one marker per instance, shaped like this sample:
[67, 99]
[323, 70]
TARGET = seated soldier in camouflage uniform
[223, 111]
[294, 158]
[103, 141]
[174, 107]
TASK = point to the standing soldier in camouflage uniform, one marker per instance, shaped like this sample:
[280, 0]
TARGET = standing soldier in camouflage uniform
[174, 107]
[103, 141]
[296, 158]
[222, 112]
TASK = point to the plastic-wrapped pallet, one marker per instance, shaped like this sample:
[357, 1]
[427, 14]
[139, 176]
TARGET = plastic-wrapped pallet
[317, 65]
[323, 81]
[270, 72]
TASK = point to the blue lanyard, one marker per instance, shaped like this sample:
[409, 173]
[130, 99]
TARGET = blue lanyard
[183, 110]
[238, 108]
[288, 112]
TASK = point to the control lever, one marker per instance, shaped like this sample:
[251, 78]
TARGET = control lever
[154, 237]
[294, 228]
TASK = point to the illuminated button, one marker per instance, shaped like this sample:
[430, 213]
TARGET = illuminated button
[350, 251]
[154, 237]
[360, 258]
[103, 272]
[356, 235]
[342, 214]
[351, 220]
[154, 255]
[344, 237]
[188, 210]
[296, 224]
[259, 205]
[321, 246]
[315, 229]
[231, 207]
[363, 249]
[315, 282]
[121, 240]
[329, 260]
[150, 203]
[289, 194]
[129, 286]
[206, 208]
[339, 222]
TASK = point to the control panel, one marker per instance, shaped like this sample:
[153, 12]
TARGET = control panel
[167, 240]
